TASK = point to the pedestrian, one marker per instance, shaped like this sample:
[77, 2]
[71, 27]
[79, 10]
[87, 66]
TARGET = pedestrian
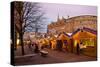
[32, 44]
[78, 49]
[36, 49]
[66, 44]
[59, 45]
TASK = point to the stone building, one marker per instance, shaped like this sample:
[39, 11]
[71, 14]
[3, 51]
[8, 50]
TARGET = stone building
[71, 24]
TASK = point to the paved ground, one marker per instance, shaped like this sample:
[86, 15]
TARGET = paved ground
[54, 56]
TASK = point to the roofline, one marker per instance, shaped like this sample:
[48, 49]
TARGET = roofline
[86, 29]
[80, 16]
[73, 18]
[64, 34]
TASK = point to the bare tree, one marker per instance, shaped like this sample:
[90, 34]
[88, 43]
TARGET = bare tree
[18, 20]
[30, 17]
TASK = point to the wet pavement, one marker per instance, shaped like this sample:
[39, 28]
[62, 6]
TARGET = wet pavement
[53, 56]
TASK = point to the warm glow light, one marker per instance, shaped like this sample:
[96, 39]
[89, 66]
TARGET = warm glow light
[18, 41]
[75, 43]
[55, 35]
[48, 36]
[84, 46]
[81, 46]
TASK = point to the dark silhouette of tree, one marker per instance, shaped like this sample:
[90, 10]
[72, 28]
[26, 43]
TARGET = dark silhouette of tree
[29, 17]
[18, 20]
[32, 17]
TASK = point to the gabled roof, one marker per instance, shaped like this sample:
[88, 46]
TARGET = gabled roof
[86, 29]
[75, 32]
[90, 30]
[64, 34]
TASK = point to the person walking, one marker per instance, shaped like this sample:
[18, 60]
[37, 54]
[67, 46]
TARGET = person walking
[78, 49]
[59, 45]
[66, 44]
[36, 49]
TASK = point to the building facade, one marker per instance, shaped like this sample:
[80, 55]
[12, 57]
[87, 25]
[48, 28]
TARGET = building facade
[69, 25]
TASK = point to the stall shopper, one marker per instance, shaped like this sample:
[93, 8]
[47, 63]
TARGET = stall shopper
[66, 44]
[36, 49]
[78, 49]
[59, 45]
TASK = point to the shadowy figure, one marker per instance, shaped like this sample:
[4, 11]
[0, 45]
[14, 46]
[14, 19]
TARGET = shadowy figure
[59, 45]
[78, 49]
[36, 49]
[66, 44]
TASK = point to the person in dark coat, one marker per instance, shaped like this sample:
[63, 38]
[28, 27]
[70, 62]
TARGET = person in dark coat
[59, 45]
[36, 49]
[66, 44]
[78, 49]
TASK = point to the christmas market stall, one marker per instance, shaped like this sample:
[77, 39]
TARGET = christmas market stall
[85, 41]
[63, 41]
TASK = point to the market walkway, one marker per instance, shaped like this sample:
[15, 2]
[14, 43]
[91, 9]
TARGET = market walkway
[54, 56]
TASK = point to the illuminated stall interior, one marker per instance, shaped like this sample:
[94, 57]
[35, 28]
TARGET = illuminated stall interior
[88, 38]
[53, 42]
[65, 38]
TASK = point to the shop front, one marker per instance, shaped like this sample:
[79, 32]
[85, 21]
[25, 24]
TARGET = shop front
[87, 41]
[64, 38]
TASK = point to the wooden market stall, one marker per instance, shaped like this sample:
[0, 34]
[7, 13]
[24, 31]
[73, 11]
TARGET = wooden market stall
[87, 40]
[65, 39]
